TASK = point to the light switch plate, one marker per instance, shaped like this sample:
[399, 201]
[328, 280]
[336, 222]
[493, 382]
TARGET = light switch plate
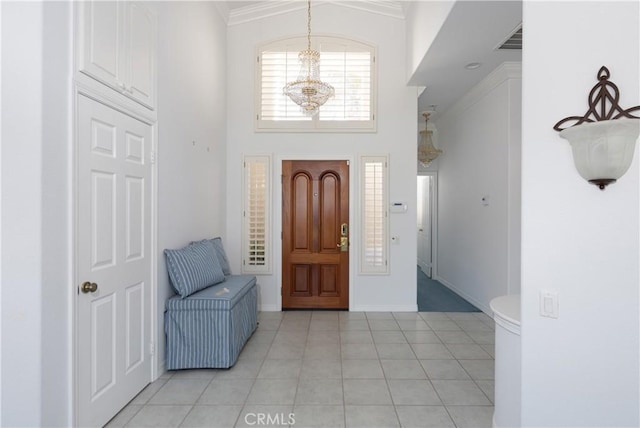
[549, 303]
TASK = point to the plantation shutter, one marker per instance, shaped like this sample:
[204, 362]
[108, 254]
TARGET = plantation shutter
[256, 233]
[278, 68]
[374, 203]
[350, 75]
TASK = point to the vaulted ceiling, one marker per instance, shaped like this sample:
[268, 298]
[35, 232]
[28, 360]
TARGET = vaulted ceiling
[471, 34]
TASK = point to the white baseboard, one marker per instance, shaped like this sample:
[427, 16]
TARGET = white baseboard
[360, 308]
[424, 267]
[475, 302]
[162, 368]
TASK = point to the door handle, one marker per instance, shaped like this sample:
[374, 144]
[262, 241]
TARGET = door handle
[344, 243]
[89, 287]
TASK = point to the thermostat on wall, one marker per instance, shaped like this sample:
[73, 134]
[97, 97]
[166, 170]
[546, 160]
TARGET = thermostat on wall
[398, 207]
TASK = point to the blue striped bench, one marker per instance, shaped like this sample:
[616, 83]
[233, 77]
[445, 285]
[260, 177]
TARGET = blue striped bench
[208, 329]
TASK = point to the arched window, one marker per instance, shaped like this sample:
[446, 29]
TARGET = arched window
[347, 65]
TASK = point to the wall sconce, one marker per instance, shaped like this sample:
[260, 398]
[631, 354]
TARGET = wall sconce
[603, 140]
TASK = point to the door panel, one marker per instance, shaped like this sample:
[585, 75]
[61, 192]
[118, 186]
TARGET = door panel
[141, 31]
[315, 269]
[113, 251]
[102, 53]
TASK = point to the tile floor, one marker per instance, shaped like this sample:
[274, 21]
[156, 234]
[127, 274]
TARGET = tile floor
[337, 369]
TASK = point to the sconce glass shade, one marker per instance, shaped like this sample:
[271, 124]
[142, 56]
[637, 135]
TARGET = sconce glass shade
[603, 151]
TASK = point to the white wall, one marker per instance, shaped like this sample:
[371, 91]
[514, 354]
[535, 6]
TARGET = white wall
[191, 108]
[36, 215]
[581, 369]
[396, 136]
[36, 141]
[478, 244]
[424, 21]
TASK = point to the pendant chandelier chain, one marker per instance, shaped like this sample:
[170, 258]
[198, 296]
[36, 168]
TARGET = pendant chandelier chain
[309, 24]
[309, 36]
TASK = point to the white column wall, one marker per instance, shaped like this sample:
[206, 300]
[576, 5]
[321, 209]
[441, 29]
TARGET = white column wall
[581, 369]
[191, 133]
[424, 21]
[396, 136]
[36, 215]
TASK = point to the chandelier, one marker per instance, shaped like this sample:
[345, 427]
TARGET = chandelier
[426, 150]
[308, 91]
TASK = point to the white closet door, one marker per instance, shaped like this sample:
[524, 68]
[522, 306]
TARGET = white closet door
[141, 34]
[114, 253]
[102, 54]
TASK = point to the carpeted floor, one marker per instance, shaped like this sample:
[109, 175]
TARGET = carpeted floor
[435, 297]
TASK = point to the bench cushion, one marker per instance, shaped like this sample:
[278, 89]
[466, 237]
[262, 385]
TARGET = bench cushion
[193, 267]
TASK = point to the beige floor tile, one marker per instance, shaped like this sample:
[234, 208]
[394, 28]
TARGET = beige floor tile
[159, 416]
[413, 392]
[320, 391]
[318, 416]
[180, 392]
[273, 392]
[336, 369]
[366, 392]
[228, 392]
[371, 417]
[362, 369]
[212, 416]
[460, 393]
[471, 416]
[424, 417]
[403, 369]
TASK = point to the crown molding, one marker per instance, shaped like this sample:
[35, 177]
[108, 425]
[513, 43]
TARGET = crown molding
[223, 10]
[392, 9]
[267, 9]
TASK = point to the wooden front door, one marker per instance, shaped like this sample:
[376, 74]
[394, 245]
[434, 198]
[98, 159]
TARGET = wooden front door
[315, 217]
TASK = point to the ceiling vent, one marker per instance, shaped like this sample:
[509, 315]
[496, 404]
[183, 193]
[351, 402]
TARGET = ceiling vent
[513, 41]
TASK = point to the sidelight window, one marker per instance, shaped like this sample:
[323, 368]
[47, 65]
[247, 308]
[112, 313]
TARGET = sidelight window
[374, 215]
[256, 257]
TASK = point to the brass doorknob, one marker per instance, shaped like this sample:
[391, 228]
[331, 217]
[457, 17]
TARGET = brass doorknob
[344, 243]
[88, 287]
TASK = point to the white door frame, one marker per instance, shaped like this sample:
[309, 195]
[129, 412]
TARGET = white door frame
[83, 87]
[277, 219]
[433, 202]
